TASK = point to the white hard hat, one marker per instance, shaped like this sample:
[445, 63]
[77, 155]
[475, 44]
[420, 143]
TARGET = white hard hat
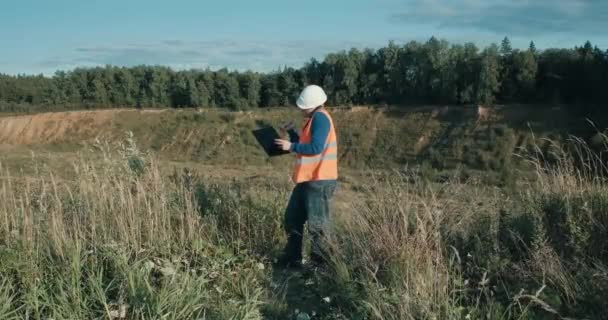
[311, 97]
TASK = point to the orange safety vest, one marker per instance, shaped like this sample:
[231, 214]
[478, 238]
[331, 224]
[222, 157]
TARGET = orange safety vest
[323, 166]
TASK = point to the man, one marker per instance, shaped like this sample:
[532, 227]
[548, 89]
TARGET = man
[315, 175]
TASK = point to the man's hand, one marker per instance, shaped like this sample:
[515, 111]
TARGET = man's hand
[288, 126]
[283, 144]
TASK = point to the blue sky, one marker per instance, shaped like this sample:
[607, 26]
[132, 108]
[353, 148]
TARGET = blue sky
[43, 36]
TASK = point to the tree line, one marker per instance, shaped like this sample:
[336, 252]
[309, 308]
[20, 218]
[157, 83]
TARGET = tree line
[434, 71]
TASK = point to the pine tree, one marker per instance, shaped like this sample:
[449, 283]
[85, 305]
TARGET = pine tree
[525, 69]
[468, 71]
[227, 94]
[288, 87]
[505, 48]
[270, 94]
[250, 86]
[532, 47]
[200, 95]
[489, 83]
[509, 88]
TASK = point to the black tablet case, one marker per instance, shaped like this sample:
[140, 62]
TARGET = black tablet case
[266, 137]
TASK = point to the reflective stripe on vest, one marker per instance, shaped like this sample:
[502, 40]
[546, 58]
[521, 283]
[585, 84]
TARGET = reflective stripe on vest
[323, 166]
[314, 159]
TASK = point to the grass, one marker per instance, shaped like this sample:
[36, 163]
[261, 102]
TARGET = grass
[125, 238]
[463, 251]
[119, 240]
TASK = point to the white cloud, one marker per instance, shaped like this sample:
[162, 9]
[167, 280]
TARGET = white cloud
[572, 7]
[514, 17]
[258, 55]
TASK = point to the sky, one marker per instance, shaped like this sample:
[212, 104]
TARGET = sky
[264, 35]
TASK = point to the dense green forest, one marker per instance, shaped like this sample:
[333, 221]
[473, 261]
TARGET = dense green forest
[431, 72]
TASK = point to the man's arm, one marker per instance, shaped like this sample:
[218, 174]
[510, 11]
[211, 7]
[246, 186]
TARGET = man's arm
[293, 136]
[319, 130]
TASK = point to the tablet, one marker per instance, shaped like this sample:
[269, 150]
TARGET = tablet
[266, 137]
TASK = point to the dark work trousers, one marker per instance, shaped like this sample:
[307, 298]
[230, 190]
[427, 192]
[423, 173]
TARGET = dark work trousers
[310, 202]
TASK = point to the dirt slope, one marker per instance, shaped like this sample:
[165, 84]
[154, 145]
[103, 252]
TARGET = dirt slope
[368, 137]
[55, 127]
[52, 127]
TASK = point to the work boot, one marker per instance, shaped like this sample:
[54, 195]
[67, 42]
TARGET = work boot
[288, 262]
[317, 260]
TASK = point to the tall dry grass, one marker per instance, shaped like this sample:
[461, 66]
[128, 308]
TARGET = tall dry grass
[119, 241]
[568, 209]
[123, 240]
[453, 251]
[393, 256]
